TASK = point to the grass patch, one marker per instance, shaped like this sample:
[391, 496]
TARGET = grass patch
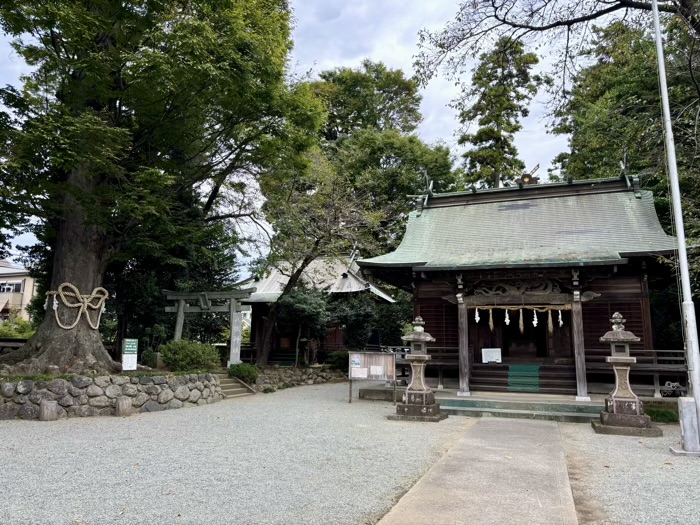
[165, 373]
[69, 377]
[36, 377]
[661, 415]
[268, 390]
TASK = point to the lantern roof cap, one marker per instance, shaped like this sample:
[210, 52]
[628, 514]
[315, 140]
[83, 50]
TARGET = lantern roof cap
[618, 334]
[418, 334]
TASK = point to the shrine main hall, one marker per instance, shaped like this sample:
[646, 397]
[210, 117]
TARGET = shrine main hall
[518, 284]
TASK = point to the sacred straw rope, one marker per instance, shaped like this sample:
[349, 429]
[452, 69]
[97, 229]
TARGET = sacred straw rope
[81, 301]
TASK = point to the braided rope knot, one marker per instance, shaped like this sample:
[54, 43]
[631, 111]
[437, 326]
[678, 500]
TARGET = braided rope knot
[72, 298]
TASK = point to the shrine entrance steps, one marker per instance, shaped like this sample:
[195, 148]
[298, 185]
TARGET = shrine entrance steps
[565, 411]
[502, 404]
[521, 377]
[232, 387]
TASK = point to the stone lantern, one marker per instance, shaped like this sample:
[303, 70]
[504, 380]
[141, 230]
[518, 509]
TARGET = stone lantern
[419, 401]
[624, 412]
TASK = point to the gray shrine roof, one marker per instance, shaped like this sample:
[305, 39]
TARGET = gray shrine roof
[328, 274]
[567, 224]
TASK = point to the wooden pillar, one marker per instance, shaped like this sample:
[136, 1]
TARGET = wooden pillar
[180, 319]
[464, 368]
[236, 318]
[579, 350]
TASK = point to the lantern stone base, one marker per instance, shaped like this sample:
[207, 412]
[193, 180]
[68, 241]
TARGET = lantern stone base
[409, 412]
[600, 428]
[419, 401]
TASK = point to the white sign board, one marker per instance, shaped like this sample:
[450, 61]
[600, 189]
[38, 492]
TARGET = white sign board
[377, 366]
[491, 355]
[130, 349]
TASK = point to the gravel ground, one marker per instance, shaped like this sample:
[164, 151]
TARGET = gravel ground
[299, 456]
[619, 480]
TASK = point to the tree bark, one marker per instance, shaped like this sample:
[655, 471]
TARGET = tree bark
[81, 254]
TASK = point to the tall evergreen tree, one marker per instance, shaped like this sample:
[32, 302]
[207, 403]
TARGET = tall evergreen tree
[136, 120]
[502, 86]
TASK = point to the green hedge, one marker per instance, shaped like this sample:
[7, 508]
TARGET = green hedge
[339, 360]
[189, 355]
[245, 372]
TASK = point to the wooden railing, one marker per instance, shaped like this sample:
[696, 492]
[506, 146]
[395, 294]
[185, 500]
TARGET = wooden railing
[655, 363]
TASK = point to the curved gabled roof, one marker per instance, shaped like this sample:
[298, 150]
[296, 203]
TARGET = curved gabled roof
[581, 224]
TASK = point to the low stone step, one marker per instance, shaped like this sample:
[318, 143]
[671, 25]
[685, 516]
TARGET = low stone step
[238, 395]
[528, 406]
[568, 417]
[235, 390]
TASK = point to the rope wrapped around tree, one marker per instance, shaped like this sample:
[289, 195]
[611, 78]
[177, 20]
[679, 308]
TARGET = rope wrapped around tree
[72, 298]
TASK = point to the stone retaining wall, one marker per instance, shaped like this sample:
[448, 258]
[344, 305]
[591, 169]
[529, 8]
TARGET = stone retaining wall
[276, 377]
[87, 396]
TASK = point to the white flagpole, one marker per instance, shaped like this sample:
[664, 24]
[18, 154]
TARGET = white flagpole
[691, 331]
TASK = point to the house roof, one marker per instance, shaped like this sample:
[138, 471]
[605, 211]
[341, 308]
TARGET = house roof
[329, 274]
[8, 269]
[581, 223]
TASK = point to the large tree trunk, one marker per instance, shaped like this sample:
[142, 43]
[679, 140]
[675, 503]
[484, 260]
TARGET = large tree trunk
[80, 257]
[268, 332]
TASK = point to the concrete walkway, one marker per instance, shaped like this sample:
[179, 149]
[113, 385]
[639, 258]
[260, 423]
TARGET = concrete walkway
[502, 472]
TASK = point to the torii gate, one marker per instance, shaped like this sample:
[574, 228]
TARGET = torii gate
[231, 304]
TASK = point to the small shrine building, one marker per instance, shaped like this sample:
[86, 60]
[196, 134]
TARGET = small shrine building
[518, 284]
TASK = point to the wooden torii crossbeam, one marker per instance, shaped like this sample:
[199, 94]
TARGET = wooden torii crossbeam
[203, 304]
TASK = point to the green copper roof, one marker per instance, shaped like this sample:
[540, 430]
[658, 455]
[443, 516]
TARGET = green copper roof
[601, 225]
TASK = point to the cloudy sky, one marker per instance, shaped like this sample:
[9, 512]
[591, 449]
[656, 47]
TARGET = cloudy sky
[332, 33]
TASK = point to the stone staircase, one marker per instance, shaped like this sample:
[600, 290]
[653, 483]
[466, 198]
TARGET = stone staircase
[570, 412]
[497, 404]
[232, 387]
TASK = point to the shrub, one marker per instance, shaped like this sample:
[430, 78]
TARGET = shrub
[189, 355]
[15, 327]
[268, 390]
[338, 360]
[148, 358]
[245, 372]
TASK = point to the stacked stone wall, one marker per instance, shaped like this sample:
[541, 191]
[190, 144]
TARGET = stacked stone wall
[276, 377]
[84, 396]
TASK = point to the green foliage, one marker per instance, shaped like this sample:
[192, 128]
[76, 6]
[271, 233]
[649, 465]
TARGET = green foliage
[613, 115]
[501, 89]
[391, 319]
[613, 109]
[148, 358]
[339, 361]
[661, 415]
[356, 316]
[142, 130]
[16, 327]
[189, 355]
[268, 390]
[305, 308]
[245, 372]
[371, 96]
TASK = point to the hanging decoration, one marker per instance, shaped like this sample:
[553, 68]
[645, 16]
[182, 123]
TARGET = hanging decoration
[521, 323]
[561, 321]
[550, 325]
[476, 315]
[507, 321]
[534, 318]
[491, 319]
